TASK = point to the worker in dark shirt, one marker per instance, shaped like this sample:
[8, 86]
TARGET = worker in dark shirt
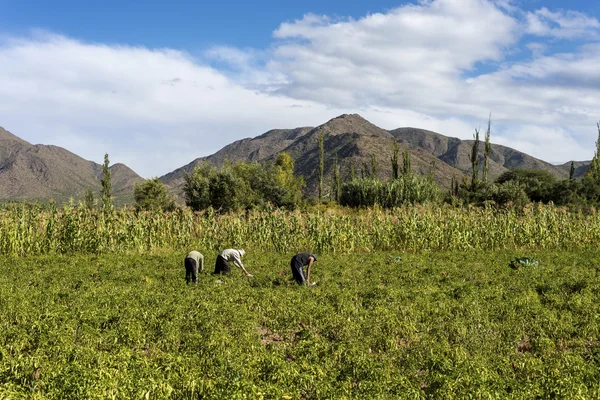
[298, 262]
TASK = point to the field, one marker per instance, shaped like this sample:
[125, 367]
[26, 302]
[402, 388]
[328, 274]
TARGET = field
[444, 324]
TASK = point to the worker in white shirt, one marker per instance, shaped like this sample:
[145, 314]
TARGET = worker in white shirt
[227, 255]
[194, 263]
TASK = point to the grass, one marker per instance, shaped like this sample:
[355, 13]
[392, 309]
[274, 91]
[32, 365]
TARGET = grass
[428, 325]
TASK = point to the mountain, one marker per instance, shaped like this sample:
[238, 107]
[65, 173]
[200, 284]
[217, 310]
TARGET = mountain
[352, 138]
[457, 153]
[354, 141]
[43, 172]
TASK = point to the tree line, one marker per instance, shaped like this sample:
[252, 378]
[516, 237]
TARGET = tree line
[251, 185]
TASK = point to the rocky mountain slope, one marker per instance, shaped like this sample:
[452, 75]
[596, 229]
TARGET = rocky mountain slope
[43, 172]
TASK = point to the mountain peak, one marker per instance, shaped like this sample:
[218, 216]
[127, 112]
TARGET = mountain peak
[352, 123]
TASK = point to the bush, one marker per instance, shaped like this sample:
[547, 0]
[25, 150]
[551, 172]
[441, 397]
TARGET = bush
[409, 189]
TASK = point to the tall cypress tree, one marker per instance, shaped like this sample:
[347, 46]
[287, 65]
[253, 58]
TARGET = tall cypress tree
[106, 190]
[594, 169]
[487, 150]
[406, 167]
[338, 183]
[572, 171]
[373, 166]
[394, 159]
[475, 160]
[321, 165]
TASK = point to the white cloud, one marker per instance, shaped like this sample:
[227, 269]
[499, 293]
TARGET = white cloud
[562, 24]
[417, 65]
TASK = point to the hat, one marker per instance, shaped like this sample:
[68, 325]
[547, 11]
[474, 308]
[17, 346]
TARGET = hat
[314, 257]
[242, 252]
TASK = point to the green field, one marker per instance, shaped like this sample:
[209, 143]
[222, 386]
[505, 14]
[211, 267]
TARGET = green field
[431, 325]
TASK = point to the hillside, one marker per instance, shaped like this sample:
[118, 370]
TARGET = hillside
[354, 139]
[457, 153]
[43, 172]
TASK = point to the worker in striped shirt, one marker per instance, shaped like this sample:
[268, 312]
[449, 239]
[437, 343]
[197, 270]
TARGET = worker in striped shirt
[194, 263]
[227, 255]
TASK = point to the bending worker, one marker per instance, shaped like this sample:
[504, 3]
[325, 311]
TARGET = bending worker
[194, 263]
[298, 262]
[227, 255]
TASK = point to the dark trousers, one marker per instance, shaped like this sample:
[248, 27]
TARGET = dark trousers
[191, 270]
[222, 266]
[297, 270]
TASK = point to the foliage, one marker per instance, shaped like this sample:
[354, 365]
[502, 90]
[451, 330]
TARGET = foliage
[475, 161]
[406, 166]
[538, 184]
[106, 190]
[394, 160]
[89, 198]
[487, 150]
[244, 185]
[409, 189]
[436, 325]
[593, 172]
[196, 187]
[152, 195]
[321, 165]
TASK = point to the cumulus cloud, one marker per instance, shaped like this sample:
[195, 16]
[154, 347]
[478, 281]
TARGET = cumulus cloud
[562, 24]
[438, 64]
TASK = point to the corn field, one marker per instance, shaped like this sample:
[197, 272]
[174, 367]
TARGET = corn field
[76, 229]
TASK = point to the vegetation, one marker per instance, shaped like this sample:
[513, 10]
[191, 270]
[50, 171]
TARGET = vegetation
[152, 195]
[244, 186]
[75, 229]
[321, 165]
[409, 189]
[384, 325]
[106, 190]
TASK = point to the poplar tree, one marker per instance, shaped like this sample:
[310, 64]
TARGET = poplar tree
[373, 166]
[572, 171]
[106, 190]
[406, 167]
[593, 171]
[394, 160]
[321, 165]
[338, 183]
[487, 150]
[475, 160]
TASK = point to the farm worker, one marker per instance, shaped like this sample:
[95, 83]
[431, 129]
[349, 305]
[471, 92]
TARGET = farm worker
[227, 255]
[194, 263]
[298, 262]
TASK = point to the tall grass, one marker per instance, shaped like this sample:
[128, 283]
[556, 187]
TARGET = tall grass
[76, 229]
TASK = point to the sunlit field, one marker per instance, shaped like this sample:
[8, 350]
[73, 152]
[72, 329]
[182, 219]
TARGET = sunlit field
[377, 325]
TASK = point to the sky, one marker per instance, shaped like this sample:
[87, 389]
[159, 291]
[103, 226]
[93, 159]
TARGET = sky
[158, 84]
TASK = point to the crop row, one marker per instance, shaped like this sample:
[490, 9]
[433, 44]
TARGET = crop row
[26, 230]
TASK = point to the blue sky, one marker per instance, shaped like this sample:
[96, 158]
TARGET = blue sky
[156, 84]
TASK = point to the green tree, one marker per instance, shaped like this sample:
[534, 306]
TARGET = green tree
[292, 184]
[406, 167]
[106, 190]
[475, 161]
[88, 199]
[196, 188]
[321, 165]
[487, 150]
[394, 160]
[152, 195]
[373, 166]
[593, 172]
[337, 179]
[572, 171]
[223, 189]
[537, 184]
